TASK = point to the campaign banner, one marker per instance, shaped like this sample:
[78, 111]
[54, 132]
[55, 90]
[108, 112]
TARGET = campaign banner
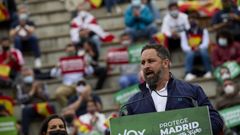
[231, 116]
[123, 95]
[125, 55]
[190, 121]
[74, 64]
[8, 126]
[232, 67]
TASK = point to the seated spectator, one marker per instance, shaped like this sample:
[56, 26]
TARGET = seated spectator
[194, 42]
[139, 21]
[228, 18]
[151, 5]
[70, 76]
[7, 11]
[92, 56]
[22, 32]
[78, 102]
[33, 95]
[174, 23]
[129, 72]
[93, 119]
[84, 26]
[225, 50]
[12, 60]
[229, 92]
[109, 4]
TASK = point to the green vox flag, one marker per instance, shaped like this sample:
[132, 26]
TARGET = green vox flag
[190, 121]
[233, 67]
[8, 126]
[231, 116]
[122, 96]
[134, 53]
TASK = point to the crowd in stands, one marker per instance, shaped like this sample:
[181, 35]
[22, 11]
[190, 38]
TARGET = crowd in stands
[80, 106]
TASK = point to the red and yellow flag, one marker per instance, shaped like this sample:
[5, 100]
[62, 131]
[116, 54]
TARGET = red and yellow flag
[43, 109]
[8, 103]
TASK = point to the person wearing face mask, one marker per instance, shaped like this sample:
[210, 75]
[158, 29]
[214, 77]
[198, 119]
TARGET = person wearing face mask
[93, 119]
[31, 92]
[13, 59]
[70, 79]
[229, 92]
[225, 50]
[22, 31]
[129, 72]
[174, 23]
[227, 18]
[53, 125]
[194, 43]
[139, 21]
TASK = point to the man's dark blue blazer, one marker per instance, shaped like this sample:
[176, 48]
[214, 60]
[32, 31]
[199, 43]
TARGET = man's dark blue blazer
[175, 88]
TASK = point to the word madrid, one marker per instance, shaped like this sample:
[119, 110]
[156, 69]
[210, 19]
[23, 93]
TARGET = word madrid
[133, 132]
[181, 127]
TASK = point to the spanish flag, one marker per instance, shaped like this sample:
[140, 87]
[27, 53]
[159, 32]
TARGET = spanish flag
[4, 71]
[82, 127]
[161, 39]
[4, 15]
[107, 122]
[44, 109]
[95, 3]
[209, 9]
[8, 103]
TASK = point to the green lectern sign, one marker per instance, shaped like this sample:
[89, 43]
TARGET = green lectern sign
[190, 121]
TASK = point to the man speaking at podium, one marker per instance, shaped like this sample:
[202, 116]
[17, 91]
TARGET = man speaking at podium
[162, 92]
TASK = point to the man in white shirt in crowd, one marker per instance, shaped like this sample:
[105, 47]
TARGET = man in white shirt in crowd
[174, 23]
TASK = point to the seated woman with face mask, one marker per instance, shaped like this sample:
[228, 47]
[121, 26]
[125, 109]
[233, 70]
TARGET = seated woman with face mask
[225, 50]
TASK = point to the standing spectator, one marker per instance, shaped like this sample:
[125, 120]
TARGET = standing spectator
[109, 4]
[228, 18]
[12, 58]
[30, 93]
[84, 26]
[174, 23]
[93, 119]
[92, 56]
[68, 87]
[22, 32]
[225, 50]
[139, 21]
[194, 42]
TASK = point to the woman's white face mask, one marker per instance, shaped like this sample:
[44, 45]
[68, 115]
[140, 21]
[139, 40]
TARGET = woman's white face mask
[174, 13]
[223, 42]
[229, 89]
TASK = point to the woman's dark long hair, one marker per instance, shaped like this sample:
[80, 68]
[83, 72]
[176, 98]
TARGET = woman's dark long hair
[44, 126]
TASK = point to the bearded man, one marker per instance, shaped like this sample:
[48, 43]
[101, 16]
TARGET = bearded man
[162, 92]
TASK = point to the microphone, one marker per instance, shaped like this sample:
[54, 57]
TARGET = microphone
[194, 102]
[121, 113]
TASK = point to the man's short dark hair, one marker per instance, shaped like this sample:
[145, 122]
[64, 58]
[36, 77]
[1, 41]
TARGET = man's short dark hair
[225, 33]
[172, 4]
[162, 52]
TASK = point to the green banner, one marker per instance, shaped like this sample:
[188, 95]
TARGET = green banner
[190, 121]
[231, 116]
[123, 95]
[233, 67]
[134, 53]
[8, 126]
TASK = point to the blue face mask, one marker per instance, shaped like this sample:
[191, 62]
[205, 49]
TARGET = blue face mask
[28, 79]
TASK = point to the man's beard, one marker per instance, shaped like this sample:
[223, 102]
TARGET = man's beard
[153, 80]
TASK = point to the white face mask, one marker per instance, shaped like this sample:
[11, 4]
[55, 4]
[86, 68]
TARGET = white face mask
[126, 42]
[28, 79]
[174, 13]
[226, 76]
[80, 89]
[229, 89]
[223, 42]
